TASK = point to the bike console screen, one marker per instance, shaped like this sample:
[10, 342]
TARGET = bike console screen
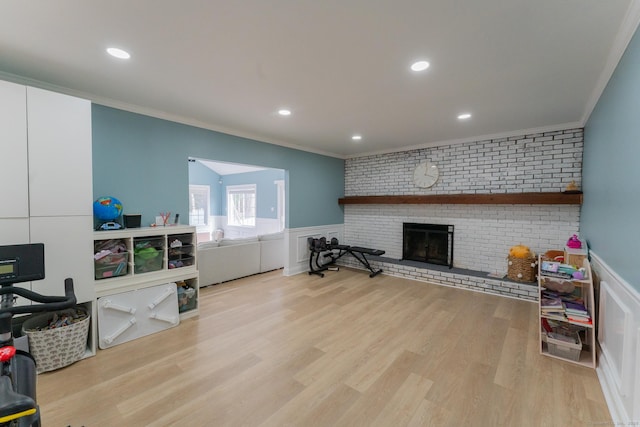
[21, 263]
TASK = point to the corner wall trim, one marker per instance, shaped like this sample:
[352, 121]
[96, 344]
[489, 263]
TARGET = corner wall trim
[618, 343]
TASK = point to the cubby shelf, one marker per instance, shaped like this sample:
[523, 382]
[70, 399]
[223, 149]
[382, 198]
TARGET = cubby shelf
[133, 269]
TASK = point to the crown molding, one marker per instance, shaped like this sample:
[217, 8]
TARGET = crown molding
[112, 103]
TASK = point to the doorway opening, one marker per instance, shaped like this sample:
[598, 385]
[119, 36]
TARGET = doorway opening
[243, 200]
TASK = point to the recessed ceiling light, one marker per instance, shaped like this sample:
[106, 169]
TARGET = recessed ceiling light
[118, 53]
[420, 66]
[284, 112]
[357, 137]
[464, 116]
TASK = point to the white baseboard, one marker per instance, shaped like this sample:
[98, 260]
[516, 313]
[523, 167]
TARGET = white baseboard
[619, 343]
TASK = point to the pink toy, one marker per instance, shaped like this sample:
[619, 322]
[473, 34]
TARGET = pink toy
[574, 242]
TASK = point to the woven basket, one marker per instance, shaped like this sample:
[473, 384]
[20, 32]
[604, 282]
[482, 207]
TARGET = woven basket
[59, 347]
[522, 269]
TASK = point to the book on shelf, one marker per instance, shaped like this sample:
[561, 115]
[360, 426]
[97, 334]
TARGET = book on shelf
[551, 313]
[555, 316]
[581, 322]
[586, 320]
[551, 303]
[575, 307]
[548, 293]
[577, 315]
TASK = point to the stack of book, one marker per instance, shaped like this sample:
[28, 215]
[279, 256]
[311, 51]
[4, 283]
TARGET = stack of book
[551, 306]
[564, 307]
[577, 312]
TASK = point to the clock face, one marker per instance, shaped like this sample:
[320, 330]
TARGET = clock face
[426, 174]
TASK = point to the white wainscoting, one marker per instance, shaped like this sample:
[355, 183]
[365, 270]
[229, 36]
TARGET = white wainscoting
[619, 343]
[297, 253]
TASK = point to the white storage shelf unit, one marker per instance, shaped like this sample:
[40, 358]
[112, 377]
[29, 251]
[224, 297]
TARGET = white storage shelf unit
[150, 256]
[583, 353]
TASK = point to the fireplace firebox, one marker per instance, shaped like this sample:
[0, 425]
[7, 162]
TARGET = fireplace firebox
[429, 243]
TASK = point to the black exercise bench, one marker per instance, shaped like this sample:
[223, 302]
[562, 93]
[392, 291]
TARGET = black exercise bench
[321, 248]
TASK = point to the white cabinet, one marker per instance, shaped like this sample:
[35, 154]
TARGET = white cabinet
[14, 231]
[67, 254]
[139, 258]
[46, 173]
[13, 146]
[60, 163]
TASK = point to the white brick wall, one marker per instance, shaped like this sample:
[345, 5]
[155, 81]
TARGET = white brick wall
[527, 163]
[483, 233]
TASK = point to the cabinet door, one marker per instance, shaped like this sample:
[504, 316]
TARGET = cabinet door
[60, 168]
[13, 146]
[68, 252]
[15, 231]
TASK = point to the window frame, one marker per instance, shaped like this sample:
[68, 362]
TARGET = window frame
[205, 190]
[242, 189]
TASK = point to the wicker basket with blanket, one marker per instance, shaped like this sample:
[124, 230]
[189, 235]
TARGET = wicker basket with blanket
[522, 264]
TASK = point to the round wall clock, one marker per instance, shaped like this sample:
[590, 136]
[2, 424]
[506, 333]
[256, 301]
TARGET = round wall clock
[425, 174]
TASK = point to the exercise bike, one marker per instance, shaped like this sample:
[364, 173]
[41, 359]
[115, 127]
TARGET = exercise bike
[22, 263]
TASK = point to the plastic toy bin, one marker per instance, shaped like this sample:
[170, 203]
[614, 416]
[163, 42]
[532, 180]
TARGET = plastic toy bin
[185, 239]
[148, 242]
[148, 254]
[181, 250]
[564, 349]
[179, 262]
[186, 298]
[147, 260]
[111, 265]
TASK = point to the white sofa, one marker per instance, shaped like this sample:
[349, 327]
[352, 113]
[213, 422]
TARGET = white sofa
[231, 259]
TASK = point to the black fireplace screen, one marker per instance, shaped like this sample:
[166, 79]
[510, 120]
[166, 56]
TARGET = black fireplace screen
[431, 243]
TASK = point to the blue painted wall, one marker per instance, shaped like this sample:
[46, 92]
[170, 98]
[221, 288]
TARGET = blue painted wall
[143, 161]
[610, 217]
[266, 190]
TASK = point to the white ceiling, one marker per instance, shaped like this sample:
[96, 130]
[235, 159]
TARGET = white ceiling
[341, 66]
[224, 168]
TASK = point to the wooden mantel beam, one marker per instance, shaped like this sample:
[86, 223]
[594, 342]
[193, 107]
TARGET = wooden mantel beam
[468, 199]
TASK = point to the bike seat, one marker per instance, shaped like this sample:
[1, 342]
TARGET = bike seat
[13, 405]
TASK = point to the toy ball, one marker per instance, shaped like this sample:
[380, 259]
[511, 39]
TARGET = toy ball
[107, 208]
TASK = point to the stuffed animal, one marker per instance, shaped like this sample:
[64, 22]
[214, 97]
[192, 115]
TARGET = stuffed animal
[521, 251]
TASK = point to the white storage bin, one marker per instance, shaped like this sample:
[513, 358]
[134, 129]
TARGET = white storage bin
[565, 349]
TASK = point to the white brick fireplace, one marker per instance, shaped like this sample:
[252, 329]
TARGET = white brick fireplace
[543, 162]
[483, 233]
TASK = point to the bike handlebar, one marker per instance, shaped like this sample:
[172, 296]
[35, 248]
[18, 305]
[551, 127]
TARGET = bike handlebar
[47, 303]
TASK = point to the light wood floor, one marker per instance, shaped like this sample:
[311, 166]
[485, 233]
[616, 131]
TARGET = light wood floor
[343, 350]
